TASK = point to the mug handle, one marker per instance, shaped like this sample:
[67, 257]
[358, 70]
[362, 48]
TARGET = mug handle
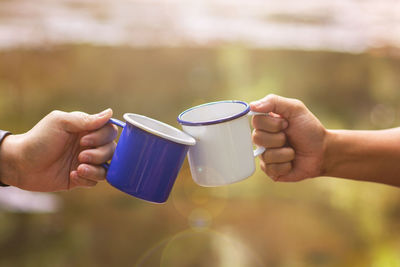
[259, 149]
[119, 123]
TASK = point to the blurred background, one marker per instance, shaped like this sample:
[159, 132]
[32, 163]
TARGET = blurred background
[159, 57]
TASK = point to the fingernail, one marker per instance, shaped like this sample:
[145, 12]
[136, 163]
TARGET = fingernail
[83, 171]
[255, 103]
[73, 175]
[104, 113]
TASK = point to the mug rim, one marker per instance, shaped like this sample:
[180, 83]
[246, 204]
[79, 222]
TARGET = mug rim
[188, 140]
[202, 123]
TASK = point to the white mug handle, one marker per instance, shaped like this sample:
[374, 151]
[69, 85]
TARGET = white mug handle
[259, 149]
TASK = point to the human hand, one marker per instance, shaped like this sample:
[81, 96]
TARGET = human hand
[293, 136]
[62, 151]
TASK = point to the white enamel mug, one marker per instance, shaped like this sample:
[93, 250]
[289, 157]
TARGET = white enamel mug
[223, 153]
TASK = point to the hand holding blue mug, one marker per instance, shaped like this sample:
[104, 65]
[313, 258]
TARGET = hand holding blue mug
[148, 157]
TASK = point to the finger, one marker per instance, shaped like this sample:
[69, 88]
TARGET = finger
[79, 121]
[278, 169]
[77, 181]
[263, 167]
[97, 155]
[91, 172]
[269, 140]
[278, 155]
[287, 107]
[102, 136]
[268, 123]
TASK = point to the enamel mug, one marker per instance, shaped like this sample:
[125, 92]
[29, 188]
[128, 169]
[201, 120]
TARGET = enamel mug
[148, 157]
[223, 153]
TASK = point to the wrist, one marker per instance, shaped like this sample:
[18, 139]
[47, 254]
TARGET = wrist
[343, 150]
[329, 150]
[9, 160]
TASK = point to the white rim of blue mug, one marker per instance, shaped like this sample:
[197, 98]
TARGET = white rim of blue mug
[189, 140]
[202, 123]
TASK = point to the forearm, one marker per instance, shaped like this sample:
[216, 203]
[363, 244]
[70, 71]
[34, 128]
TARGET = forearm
[363, 155]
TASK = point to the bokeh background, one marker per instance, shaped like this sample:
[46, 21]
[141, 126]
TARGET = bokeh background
[159, 57]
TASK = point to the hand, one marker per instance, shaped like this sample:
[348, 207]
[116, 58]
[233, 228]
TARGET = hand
[63, 151]
[293, 136]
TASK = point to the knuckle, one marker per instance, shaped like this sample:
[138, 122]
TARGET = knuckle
[286, 168]
[256, 122]
[58, 117]
[280, 139]
[56, 114]
[267, 156]
[276, 125]
[110, 145]
[291, 153]
[271, 97]
[271, 169]
[114, 129]
[276, 170]
[109, 149]
[298, 104]
[257, 138]
[84, 118]
[102, 174]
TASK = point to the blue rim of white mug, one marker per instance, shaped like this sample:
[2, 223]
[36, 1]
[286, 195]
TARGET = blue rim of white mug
[185, 139]
[202, 123]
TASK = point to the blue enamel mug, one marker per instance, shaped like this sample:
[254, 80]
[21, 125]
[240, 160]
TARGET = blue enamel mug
[148, 157]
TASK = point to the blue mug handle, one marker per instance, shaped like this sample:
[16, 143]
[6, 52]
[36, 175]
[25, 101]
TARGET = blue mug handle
[119, 123]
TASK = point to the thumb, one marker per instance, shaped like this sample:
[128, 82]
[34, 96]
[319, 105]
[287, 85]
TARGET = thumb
[286, 107]
[79, 121]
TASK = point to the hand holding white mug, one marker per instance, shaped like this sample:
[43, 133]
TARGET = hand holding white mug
[304, 148]
[294, 139]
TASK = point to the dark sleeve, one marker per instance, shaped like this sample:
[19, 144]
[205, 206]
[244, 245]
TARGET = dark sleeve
[3, 134]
